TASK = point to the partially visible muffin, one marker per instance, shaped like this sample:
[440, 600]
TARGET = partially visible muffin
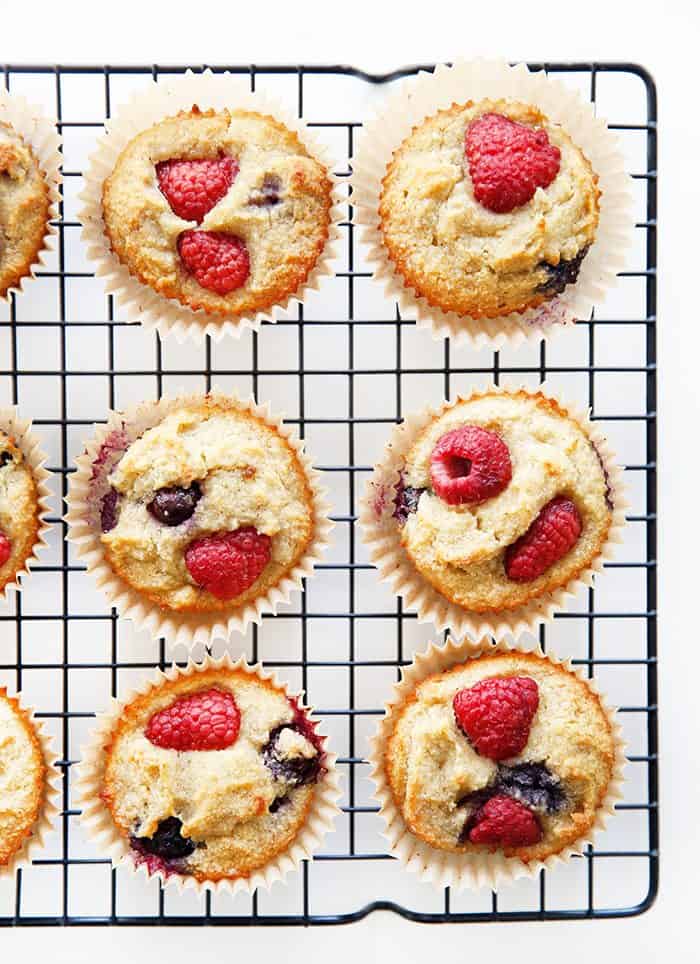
[19, 510]
[206, 510]
[23, 778]
[488, 208]
[224, 211]
[502, 499]
[211, 774]
[509, 753]
[24, 208]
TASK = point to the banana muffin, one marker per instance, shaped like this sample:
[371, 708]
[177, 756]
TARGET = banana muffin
[211, 774]
[19, 510]
[488, 208]
[23, 778]
[223, 211]
[206, 510]
[502, 498]
[508, 752]
[24, 208]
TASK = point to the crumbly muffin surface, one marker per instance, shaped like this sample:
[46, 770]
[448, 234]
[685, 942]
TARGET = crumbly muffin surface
[237, 812]
[460, 255]
[24, 208]
[436, 776]
[22, 777]
[248, 475]
[284, 239]
[460, 549]
[19, 508]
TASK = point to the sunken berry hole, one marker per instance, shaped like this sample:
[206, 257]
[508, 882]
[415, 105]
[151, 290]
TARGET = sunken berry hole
[458, 467]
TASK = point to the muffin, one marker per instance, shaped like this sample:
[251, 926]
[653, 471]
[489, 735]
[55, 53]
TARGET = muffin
[197, 514]
[224, 211]
[20, 510]
[490, 507]
[507, 753]
[24, 208]
[24, 782]
[212, 773]
[488, 208]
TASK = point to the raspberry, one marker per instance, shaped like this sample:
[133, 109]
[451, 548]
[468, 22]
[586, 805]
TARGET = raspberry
[192, 188]
[553, 533]
[228, 563]
[209, 720]
[5, 548]
[218, 261]
[496, 714]
[508, 161]
[470, 464]
[504, 822]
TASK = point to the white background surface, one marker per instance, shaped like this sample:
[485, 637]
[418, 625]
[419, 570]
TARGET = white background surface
[380, 37]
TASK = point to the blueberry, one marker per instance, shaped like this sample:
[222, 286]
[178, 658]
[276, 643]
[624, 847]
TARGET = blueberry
[167, 842]
[5, 457]
[560, 275]
[534, 785]
[108, 510]
[269, 194]
[291, 770]
[277, 803]
[174, 505]
[406, 501]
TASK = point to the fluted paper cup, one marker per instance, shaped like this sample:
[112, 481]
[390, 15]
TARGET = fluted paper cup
[460, 871]
[97, 819]
[423, 96]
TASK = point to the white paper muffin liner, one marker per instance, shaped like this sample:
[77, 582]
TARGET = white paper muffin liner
[423, 96]
[166, 98]
[185, 628]
[97, 819]
[382, 534]
[39, 132]
[44, 823]
[20, 430]
[475, 870]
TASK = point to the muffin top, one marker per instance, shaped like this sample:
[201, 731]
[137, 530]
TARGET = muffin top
[488, 209]
[19, 510]
[502, 498]
[507, 752]
[223, 211]
[22, 777]
[205, 510]
[211, 774]
[24, 208]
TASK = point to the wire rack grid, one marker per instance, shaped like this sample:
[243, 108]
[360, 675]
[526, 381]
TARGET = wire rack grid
[343, 368]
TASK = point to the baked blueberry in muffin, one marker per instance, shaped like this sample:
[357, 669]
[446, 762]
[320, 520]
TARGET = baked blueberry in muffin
[223, 211]
[205, 510]
[24, 208]
[488, 208]
[212, 774]
[19, 510]
[502, 498]
[507, 752]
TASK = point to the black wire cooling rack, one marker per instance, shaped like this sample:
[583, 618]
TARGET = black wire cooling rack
[344, 368]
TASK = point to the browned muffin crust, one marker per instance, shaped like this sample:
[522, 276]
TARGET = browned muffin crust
[284, 242]
[24, 209]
